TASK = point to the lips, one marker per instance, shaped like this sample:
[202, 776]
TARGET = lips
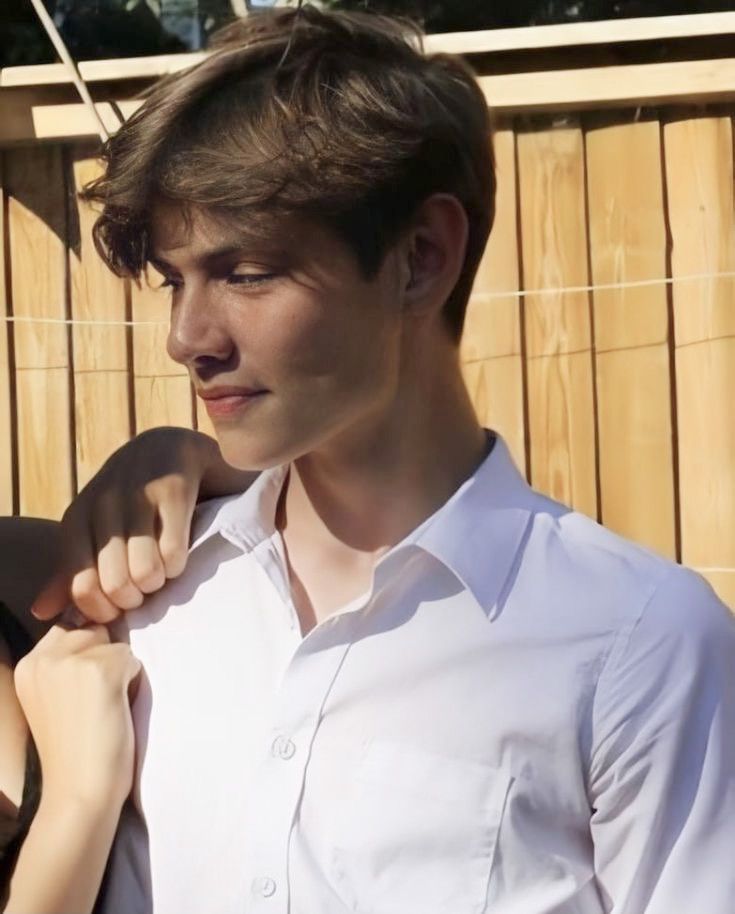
[227, 401]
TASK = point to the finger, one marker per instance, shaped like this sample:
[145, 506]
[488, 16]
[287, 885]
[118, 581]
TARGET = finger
[108, 525]
[144, 560]
[87, 595]
[176, 501]
[53, 597]
[114, 574]
[77, 581]
[76, 554]
[60, 640]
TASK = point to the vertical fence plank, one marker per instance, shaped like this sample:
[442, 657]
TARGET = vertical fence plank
[162, 389]
[6, 429]
[557, 326]
[37, 239]
[102, 409]
[491, 342]
[699, 170]
[628, 243]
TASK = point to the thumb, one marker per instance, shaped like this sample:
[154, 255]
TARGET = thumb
[52, 599]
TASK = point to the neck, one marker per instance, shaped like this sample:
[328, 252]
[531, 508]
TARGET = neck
[375, 483]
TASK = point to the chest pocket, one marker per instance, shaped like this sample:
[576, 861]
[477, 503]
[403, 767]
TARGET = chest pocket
[418, 832]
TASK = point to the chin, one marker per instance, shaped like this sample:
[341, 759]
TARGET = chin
[252, 453]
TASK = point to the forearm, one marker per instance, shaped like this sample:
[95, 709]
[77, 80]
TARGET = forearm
[63, 858]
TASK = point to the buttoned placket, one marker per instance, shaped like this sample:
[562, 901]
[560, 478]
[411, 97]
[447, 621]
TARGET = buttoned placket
[278, 786]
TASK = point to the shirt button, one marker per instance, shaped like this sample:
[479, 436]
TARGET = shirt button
[264, 886]
[283, 748]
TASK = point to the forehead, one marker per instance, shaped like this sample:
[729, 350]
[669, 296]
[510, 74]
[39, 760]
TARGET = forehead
[187, 229]
[187, 235]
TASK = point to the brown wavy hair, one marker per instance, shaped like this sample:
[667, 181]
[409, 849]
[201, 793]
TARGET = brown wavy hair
[336, 116]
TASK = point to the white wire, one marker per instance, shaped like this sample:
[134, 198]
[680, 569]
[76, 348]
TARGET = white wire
[607, 286]
[477, 296]
[74, 322]
[58, 42]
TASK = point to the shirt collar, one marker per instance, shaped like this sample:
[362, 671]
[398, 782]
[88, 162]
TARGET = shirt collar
[244, 520]
[476, 534]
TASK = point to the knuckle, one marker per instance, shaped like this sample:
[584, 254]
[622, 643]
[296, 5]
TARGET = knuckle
[157, 581]
[114, 582]
[84, 586]
[131, 599]
[150, 577]
[105, 612]
[174, 557]
[123, 593]
[164, 489]
[174, 485]
[95, 606]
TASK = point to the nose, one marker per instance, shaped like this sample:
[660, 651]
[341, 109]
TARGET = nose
[197, 335]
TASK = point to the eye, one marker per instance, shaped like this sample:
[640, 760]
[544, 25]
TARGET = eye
[170, 283]
[250, 279]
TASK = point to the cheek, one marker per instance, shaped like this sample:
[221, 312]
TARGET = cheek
[328, 346]
[344, 362]
[312, 342]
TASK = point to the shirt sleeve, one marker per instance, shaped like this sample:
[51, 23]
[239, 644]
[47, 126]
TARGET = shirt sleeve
[662, 771]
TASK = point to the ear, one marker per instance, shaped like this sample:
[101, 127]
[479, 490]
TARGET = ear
[434, 253]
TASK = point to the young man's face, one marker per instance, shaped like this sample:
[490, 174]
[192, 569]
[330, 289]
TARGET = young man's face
[289, 345]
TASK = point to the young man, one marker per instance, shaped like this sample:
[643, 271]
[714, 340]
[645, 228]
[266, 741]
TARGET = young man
[392, 678]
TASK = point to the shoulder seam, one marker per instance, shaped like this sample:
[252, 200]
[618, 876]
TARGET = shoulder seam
[622, 638]
[619, 644]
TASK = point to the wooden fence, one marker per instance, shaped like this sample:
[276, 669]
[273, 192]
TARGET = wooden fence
[618, 399]
[600, 338]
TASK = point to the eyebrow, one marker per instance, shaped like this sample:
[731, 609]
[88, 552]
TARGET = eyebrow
[160, 264]
[213, 255]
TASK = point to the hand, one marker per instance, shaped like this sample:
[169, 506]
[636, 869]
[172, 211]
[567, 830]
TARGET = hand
[74, 690]
[127, 531]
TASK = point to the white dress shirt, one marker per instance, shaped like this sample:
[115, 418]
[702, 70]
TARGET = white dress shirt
[525, 714]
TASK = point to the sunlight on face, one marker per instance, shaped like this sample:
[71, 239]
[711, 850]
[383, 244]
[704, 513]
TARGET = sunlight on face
[288, 344]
